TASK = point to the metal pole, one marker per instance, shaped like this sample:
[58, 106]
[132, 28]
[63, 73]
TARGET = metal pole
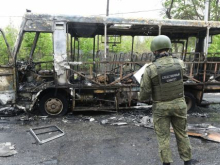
[107, 9]
[78, 55]
[97, 43]
[93, 55]
[206, 17]
[187, 41]
[106, 37]
[71, 47]
[132, 50]
[159, 33]
[206, 14]
[34, 45]
[74, 49]
[105, 41]
[207, 41]
[132, 46]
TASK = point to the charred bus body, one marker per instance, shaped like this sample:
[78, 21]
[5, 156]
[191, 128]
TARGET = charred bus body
[67, 80]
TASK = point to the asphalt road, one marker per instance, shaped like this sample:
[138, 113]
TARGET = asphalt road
[90, 139]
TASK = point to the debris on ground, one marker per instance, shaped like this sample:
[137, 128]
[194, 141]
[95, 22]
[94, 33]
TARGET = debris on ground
[199, 114]
[125, 118]
[47, 132]
[65, 120]
[146, 120]
[9, 111]
[119, 123]
[105, 121]
[26, 118]
[7, 149]
[205, 131]
[91, 119]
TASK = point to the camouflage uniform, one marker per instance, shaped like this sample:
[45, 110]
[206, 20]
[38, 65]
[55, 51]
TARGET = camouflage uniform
[167, 111]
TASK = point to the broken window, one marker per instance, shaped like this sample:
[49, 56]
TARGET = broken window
[35, 57]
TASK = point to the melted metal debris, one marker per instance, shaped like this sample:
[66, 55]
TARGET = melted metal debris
[205, 131]
[9, 111]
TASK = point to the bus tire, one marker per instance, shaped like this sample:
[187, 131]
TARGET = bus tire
[53, 105]
[190, 101]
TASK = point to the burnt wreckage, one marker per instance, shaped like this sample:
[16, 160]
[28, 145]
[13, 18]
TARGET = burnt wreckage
[68, 79]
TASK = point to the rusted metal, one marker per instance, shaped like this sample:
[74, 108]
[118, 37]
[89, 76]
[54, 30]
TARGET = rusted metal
[116, 81]
[216, 65]
[191, 78]
[34, 46]
[191, 70]
[86, 77]
[204, 74]
[121, 69]
[205, 131]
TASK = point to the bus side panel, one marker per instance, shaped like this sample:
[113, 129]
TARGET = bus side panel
[60, 56]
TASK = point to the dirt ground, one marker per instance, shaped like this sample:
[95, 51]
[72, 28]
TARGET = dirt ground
[102, 139]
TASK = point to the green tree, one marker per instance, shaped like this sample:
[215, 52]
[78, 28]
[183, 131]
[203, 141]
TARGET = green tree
[43, 50]
[193, 10]
[190, 9]
[4, 54]
[10, 34]
[214, 47]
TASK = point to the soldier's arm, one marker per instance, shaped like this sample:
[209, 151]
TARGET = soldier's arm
[145, 86]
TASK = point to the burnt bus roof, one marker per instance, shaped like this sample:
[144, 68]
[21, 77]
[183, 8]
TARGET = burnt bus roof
[89, 26]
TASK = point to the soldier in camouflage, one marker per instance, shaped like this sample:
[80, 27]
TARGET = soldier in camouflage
[163, 80]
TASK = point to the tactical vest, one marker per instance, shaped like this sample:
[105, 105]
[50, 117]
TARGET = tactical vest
[168, 84]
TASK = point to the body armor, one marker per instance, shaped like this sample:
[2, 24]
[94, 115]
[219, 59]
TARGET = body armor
[168, 84]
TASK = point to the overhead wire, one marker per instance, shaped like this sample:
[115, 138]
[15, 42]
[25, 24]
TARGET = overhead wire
[110, 13]
[131, 12]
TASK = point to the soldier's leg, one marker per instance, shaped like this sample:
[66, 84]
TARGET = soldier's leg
[162, 129]
[183, 143]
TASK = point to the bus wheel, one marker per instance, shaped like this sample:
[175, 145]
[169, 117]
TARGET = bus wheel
[190, 101]
[51, 105]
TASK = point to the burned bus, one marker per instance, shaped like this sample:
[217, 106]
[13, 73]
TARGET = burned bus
[68, 79]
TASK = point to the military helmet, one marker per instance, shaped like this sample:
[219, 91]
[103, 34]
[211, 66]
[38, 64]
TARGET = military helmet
[160, 42]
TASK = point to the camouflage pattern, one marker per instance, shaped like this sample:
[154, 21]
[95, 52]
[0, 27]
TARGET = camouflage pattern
[165, 113]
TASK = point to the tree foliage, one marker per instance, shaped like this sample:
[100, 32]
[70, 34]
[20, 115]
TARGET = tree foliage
[190, 9]
[43, 50]
[215, 46]
[10, 34]
[194, 10]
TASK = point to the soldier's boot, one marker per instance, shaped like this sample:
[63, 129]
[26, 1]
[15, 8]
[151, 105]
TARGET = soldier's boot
[166, 163]
[189, 162]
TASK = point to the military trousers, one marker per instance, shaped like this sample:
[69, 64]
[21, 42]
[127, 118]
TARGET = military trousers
[171, 113]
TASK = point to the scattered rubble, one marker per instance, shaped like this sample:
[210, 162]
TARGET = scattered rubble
[146, 120]
[205, 131]
[199, 114]
[9, 111]
[119, 123]
[7, 149]
[91, 119]
[105, 121]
